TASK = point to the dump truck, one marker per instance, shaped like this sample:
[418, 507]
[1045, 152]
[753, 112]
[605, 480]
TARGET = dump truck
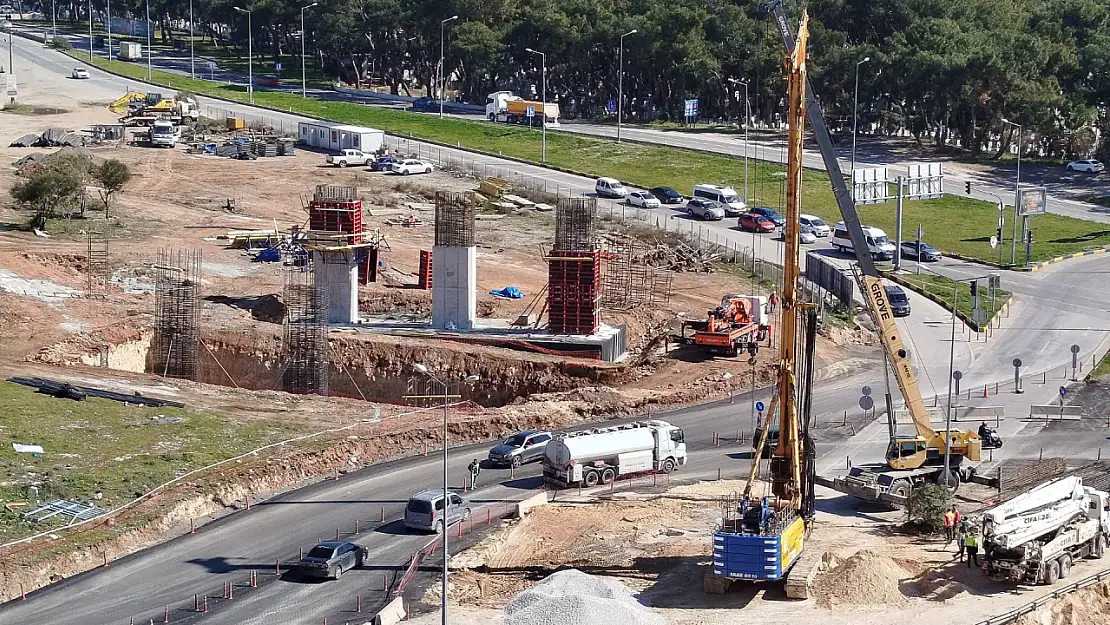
[1035, 537]
[505, 106]
[601, 455]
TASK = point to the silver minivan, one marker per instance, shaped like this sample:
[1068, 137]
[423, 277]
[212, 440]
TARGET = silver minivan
[425, 510]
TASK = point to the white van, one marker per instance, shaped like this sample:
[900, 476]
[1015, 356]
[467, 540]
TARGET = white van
[877, 242]
[820, 228]
[727, 196]
[610, 187]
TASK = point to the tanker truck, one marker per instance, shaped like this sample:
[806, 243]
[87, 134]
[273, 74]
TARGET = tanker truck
[601, 455]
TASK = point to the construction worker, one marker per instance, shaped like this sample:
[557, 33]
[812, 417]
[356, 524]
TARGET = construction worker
[951, 518]
[962, 530]
[971, 546]
[475, 469]
[772, 302]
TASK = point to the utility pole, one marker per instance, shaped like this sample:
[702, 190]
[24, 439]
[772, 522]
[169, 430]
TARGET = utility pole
[192, 57]
[439, 82]
[108, 20]
[149, 73]
[250, 55]
[543, 104]
[1017, 189]
[898, 228]
[90, 32]
[855, 115]
[304, 80]
[620, 84]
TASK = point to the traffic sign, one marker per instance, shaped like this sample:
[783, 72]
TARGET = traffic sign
[1017, 362]
[691, 108]
[277, 66]
[611, 106]
[866, 402]
[1063, 391]
[957, 375]
[759, 406]
[866, 390]
[1075, 349]
[530, 111]
[994, 241]
[920, 232]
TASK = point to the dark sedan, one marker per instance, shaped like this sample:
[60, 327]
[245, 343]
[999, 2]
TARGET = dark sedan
[331, 558]
[928, 252]
[899, 302]
[667, 195]
[383, 163]
[771, 214]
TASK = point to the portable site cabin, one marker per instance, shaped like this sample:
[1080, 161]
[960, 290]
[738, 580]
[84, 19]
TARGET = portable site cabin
[335, 137]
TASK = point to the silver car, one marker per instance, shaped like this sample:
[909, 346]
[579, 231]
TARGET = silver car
[705, 209]
[425, 511]
[519, 448]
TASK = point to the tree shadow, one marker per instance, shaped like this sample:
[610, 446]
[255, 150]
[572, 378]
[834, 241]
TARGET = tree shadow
[1086, 238]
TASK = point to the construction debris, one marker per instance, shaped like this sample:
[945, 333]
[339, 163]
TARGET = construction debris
[38, 160]
[55, 388]
[571, 597]
[52, 137]
[680, 258]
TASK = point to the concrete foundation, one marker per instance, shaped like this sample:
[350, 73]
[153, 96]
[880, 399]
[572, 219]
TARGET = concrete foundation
[338, 273]
[454, 284]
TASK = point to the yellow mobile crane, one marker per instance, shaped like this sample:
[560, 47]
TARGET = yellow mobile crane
[910, 460]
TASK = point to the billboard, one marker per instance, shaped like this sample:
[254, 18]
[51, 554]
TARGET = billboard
[1033, 201]
[133, 28]
[925, 181]
[870, 185]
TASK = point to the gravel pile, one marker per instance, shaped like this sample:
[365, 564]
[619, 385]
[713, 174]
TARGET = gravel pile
[572, 597]
[866, 578]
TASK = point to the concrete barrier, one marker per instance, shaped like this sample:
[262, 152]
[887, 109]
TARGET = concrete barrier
[526, 505]
[1056, 411]
[392, 613]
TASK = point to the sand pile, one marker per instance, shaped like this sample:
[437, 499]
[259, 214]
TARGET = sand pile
[1089, 606]
[866, 578]
[571, 597]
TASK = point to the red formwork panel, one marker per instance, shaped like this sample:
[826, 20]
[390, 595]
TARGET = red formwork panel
[337, 216]
[424, 274]
[574, 292]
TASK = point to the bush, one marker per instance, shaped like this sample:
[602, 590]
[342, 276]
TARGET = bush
[61, 43]
[926, 506]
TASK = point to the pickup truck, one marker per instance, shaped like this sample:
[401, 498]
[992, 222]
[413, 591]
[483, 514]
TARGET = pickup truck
[349, 157]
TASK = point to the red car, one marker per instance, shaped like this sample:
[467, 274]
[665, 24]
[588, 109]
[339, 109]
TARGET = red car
[751, 222]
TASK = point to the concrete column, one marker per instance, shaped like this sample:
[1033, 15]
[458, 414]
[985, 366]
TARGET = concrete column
[454, 286]
[338, 272]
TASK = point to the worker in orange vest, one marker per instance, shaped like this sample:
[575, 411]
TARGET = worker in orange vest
[951, 518]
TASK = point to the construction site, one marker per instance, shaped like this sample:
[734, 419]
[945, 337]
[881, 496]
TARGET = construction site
[237, 276]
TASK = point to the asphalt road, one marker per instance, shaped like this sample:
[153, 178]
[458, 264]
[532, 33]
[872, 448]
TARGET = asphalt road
[1059, 306]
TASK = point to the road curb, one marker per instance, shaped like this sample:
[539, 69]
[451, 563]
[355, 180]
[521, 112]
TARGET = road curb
[1059, 259]
[1004, 308]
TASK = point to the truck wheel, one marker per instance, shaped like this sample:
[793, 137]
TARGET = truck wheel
[1065, 565]
[668, 465]
[901, 488]
[590, 478]
[1098, 546]
[342, 163]
[607, 476]
[1052, 574]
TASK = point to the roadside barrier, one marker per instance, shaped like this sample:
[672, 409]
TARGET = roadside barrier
[1016, 613]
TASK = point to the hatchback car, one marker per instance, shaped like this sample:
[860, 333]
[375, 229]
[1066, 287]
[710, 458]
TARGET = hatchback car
[928, 252]
[807, 234]
[331, 558]
[751, 222]
[425, 511]
[705, 209]
[770, 214]
[899, 302]
[522, 447]
[610, 187]
[643, 199]
[667, 195]
[1089, 165]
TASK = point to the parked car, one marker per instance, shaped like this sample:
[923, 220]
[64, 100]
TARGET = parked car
[425, 511]
[705, 209]
[424, 104]
[899, 303]
[727, 196]
[820, 228]
[667, 195]
[770, 214]
[642, 199]
[928, 252]
[383, 163]
[519, 448]
[80, 73]
[807, 234]
[346, 158]
[610, 187]
[412, 166]
[751, 222]
[331, 558]
[1089, 165]
[268, 80]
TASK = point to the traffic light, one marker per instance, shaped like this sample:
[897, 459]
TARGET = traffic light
[998, 233]
[1029, 236]
[974, 288]
[967, 187]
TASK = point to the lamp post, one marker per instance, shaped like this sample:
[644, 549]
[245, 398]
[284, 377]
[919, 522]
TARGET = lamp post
[54, 19]
[747, 115]
[108, 19]
[304, 81]
[439, 82]
[543, 104]
[192, 57]
[90, 32]
[1017, 188]
[419, 368]
[149, 77]
[250, 55]
[855, 114]
[620, 84]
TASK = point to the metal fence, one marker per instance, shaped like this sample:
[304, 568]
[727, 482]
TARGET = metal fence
[829, 277]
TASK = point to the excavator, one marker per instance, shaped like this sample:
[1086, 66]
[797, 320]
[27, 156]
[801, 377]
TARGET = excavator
[738, 324]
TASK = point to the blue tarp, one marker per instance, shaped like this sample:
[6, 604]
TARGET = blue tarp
[269, 255]
[509, 292]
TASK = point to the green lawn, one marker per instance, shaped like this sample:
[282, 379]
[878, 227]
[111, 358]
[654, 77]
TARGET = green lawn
[953, 224]
[103, 446]
[941, 287]
[1103, 367]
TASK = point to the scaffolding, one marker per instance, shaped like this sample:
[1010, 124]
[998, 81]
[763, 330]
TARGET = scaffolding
[97, 264]
[626, 280]
[176, 338]
[305, 335]
[576, 224]
[454, 219]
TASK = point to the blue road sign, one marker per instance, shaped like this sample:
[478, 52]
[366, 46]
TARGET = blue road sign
[691, 108]
[759, 406]
[1063, 391]
[611, 106]
[530, 111]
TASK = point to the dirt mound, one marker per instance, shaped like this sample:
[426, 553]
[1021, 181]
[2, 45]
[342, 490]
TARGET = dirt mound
[1090, 606]
[866, 578]
[269, 308]
[409, 302]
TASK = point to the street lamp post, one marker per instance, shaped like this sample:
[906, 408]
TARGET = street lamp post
[439, 81]
[855, 114]
[1017, 188]
[620, 84]
[108, 20]
[747, 115]
[543, 104]
[149, 77]
[90, 32]
[419, 368]
[54, 20]
[304, 81]
[250, 55]
[192, 57]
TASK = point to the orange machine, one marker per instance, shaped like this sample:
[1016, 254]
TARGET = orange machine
[737, 324]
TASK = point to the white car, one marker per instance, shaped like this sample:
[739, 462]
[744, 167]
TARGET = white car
[610, 187]
[643, 199]
[818, 225]
[412, 166]
[807, 234]
[1090, 165]
[80, 73]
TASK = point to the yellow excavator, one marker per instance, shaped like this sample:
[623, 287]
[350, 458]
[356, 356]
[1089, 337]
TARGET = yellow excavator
[911, 460]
